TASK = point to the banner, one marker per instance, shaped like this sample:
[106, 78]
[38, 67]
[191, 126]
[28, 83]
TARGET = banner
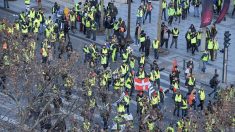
[142, 84]
[119, 100]
[207, 13]
[223, 11]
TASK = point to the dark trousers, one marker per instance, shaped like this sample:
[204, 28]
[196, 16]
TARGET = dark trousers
[141, 47]
[127, 109]
[156, 53]
[201, 104]
[147, 52]
[94, 35]
[66, 34]
[188, 45]
[170, 20]
[164, 41]
[184, 112]
[88, 32]
[6, 5]
[148, 13]
[44, 59]
[194, 47]
[233, 10]
[211, 51]
[174, 41]
[164, 14]
[177, 108]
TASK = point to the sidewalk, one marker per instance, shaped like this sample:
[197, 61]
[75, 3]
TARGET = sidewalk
[151, 29]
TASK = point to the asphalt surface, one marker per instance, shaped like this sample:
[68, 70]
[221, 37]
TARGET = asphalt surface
[7, 107]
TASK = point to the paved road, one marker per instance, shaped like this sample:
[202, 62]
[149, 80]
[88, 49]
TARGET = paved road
[7, 105]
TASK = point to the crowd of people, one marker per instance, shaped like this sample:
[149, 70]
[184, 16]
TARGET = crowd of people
[32, 31]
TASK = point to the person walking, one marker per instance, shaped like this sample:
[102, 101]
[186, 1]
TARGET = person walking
[147, 47]
[27, 5]
[194, 43]
[178, 100]
[140, 14]
[6, 4]
[202, 97]
[165, 37]
[149, 9]
[155, 48]
[164, 7]
[204, 58]
[137, 34]
[175, 34]
[142, 41]
[210, 48]
[196, 4]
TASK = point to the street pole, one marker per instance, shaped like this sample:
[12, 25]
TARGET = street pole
[102, 16]
[159, 22]
[128, 36]
[203, 41]
[225, 64]
[225, 59]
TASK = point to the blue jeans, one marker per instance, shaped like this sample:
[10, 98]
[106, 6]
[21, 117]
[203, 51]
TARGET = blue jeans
[196, 11]
[139, 20]
[156, 53]
[204, 66]
[148, 13]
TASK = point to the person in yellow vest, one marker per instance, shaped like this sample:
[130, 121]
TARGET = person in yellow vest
[178, 100]
[164, 7]
[194, 43]
[188, 39]
[121, 108]
[72, 18]
[27, 4]
[132, 64]
[180, 125]
[202, 97]
[68, 84]
[205, 57]
[215, 48]
[191, 83]
[32, 14]
[93, 29]
[88, 27]
[155, 45]
[157, 76]
[44, 52]
[53, 39]
[171, 13]
[151, 125]
[104, 61]
[184, 107]
[126, 100]
[199, 37]
[141, 73]
[142, 41]
[47, 32]
[86, 51]
[24, 30]
[170, 128]
[139, 15]
[178, 13]
[86, 126]
[210, 46]
[175, 34]
[129, 84]
[154, 102]
[142, 61]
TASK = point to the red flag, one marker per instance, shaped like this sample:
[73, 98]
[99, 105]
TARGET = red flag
[223, 11]
[207, 12]
[142, 84]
